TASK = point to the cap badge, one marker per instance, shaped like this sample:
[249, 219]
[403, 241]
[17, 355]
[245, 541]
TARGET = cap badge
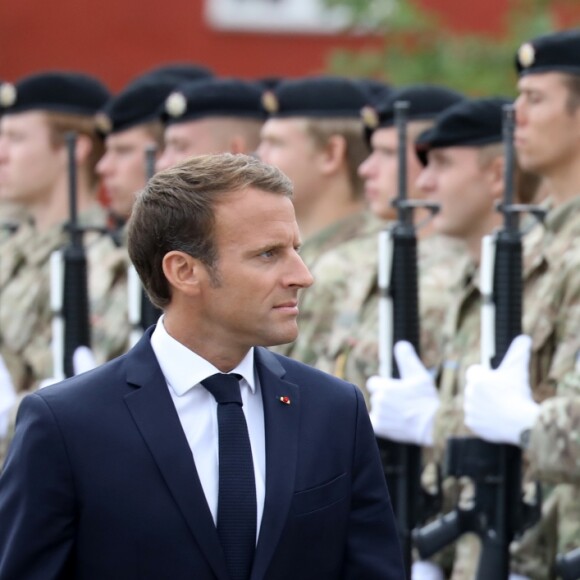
[270, 102]
[526, 55]
[103, 123]
[176, 104]
[369, 117]
[7, 95]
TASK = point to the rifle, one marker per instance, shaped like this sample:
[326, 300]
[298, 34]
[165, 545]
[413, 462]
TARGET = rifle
[142, 312]
[68, 284]
[399, 320]
[498, 513]
[568, 565]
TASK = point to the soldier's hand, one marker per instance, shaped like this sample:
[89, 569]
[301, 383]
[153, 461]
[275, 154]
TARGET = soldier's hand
[83, 360]
[498, 403]
[404, 409]
[7, 397]
[424, 570]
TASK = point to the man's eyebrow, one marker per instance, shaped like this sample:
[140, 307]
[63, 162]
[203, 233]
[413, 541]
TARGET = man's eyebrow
[268, 247]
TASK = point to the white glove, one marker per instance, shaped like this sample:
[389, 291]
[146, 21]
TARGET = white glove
[83, 360]
[424, 570]
[498, 403]
[513, 576]
[404, 409]
[7, 398]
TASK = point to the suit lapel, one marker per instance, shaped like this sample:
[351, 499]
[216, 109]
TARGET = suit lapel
[157, 420]
[281, 422]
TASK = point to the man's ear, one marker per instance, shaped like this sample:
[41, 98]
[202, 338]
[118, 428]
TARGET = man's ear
[333, 154]
[84, 146]
[183, 272]
[495, 177]
[237, 144]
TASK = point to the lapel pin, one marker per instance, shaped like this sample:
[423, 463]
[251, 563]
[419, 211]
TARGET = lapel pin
[284, 400]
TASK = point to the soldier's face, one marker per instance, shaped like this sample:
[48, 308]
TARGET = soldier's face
[547, 135]
[30, 165]
[123, 167]
[456, 179]
[285, 143]
[183, 140]
[380, 172]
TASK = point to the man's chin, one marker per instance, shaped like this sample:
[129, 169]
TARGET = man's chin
[283, 339]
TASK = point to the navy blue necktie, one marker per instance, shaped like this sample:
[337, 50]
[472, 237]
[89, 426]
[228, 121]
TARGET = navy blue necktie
[237, 511]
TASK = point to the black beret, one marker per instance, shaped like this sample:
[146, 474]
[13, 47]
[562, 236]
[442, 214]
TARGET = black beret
[377, 91]
[425, 102]
[137, 104]
[558, 52]
[469, 123]
[63, 92]
[316, 97]
[182, 71]
[214, 98]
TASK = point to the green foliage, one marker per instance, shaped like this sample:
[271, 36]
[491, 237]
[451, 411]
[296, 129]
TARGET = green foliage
[418, 48]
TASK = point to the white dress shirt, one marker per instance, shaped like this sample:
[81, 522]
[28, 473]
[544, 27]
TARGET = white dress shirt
[197, 410]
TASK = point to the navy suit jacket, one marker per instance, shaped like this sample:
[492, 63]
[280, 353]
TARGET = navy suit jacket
[100, 483]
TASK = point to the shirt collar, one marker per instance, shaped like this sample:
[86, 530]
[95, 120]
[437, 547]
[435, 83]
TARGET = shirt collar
[183, 369]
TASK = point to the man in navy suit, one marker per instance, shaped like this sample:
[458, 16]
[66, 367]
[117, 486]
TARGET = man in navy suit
[114, 474]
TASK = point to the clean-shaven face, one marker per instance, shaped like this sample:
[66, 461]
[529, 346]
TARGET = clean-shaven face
[30, 165]
[286, 144]
[455, 179]
[259, 270]
[123, 167]
[547, 134]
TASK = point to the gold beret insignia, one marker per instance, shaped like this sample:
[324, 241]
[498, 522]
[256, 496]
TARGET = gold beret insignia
[7, 95]
[526, 55]
[103, 123]
[176, 104]
[270, 102]
[369, 117]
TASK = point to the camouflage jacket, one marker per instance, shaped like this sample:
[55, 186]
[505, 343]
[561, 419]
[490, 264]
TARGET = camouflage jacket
[25, 315]
[352, 351]
[551, 283]
[349, 239]
[551, 286]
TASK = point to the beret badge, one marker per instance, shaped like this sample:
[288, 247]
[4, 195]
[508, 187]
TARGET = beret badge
[270, 102]
[103, 123]
[7, 95]
[526, 55]
[369, 117]
[176, 104]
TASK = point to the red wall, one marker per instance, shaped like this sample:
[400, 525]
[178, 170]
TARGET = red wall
[116, 39]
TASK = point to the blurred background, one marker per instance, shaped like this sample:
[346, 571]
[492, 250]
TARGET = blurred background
[465, 45]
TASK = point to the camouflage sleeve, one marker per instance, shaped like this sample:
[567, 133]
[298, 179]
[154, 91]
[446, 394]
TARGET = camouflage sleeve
[554, 449]
[318, 307]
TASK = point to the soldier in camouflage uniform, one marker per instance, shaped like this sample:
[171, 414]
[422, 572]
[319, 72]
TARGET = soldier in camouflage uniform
[547, 137]
[315, 135]
[36, 115]
[11, 214]
[551, 286]
[131, 123]
[351, 350]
